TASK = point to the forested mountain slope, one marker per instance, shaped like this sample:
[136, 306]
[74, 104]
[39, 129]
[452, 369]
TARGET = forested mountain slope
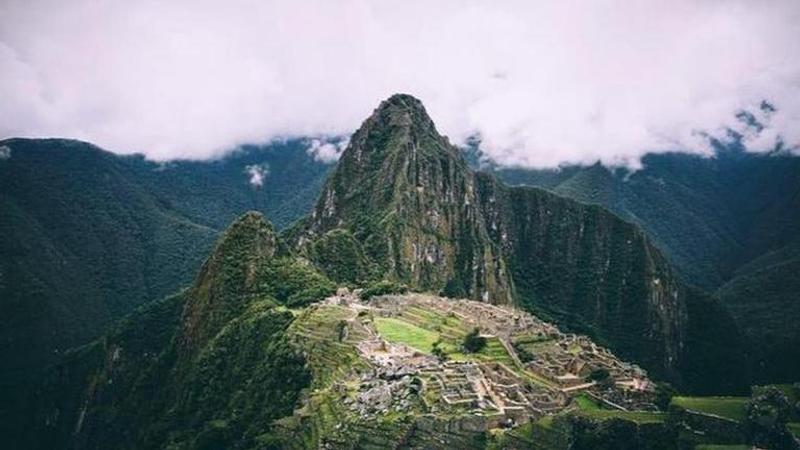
[729, 223]
[404, 205]
[86, 236]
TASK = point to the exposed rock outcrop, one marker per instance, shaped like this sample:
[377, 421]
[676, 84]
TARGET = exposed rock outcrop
[403, 205]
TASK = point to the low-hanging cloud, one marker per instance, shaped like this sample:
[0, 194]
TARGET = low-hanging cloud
[541, 83]
[327, 150]
[256, 174]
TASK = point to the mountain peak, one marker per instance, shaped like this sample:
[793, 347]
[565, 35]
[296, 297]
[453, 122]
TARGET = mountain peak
[229, 277]
[395, 151]
[402, 198]
[398, 113]
[403, 101]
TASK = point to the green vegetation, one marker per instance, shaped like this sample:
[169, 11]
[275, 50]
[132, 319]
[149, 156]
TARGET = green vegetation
[732, 408]
[246, 359]
[300, 284]
[585, 402]
[730, 224]
[599, 375]
[640, 417]
[438, 351]
[210, 368]
[319, 332]
[587, 407]
[87, 236]
[493, 351]
[768, 414]
[383, 287]
[401, 332]
[473, 342]
[340, 257]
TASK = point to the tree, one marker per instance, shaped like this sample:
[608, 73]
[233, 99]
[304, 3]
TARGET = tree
[599, 375]
[473, 341]
[767, 415]
[664, 394]
[438, 351]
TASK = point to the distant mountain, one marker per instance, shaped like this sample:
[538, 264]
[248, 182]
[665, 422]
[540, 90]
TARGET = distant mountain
[246, 357]
[214, 359]
[250, 358]
[730, 224]
[86, 236]
[404, 205]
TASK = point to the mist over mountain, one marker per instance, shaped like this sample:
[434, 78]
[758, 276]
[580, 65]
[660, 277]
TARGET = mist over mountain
[87, 236]
[728, 223]
[544, 84]
[406, 225]
[684, 267]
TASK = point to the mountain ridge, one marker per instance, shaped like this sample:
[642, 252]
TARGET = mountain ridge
[417, 213]
[728, 223]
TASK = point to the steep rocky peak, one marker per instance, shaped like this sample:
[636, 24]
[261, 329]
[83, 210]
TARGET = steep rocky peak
[229, 277]
[400, 110]
[399, 124]
[408, 195]
[395, 153]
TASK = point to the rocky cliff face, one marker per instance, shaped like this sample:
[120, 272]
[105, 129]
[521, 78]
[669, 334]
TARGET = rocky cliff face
[408, 200]
[585, 267]
[402, 204]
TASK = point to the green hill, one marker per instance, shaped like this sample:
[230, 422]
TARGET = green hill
[86, 236]
[730, 224]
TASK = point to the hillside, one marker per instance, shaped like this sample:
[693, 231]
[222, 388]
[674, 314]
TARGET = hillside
[249, 357]
[404, 205]
[729, 224]
[401, 210]
[259, 353]
[86, 236]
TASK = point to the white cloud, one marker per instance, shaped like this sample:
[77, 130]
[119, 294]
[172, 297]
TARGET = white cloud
[327, 151]
[543, 83]
[257, 173]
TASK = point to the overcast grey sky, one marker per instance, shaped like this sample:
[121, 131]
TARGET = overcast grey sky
[542, 82]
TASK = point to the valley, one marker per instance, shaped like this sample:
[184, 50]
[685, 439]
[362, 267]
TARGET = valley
[399, 225]
[418, 305]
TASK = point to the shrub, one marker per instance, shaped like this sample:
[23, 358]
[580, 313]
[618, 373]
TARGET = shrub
[383, 288]
[599, 375]
[767, 415]
[438, 352]
[474, 342]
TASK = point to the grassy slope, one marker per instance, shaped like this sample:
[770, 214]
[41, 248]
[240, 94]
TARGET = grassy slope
[729, 407]
[398, 331]
[589, 408]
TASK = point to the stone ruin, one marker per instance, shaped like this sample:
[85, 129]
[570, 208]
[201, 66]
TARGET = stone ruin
[403, 378]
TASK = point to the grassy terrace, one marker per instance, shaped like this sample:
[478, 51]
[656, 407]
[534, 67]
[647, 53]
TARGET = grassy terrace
[419, 329]
[493, 352]
[316, 332]
[729, 407]
[589, 408]
[401, 332]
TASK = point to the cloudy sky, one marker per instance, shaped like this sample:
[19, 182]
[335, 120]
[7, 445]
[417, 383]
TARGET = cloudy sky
[542, 83]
